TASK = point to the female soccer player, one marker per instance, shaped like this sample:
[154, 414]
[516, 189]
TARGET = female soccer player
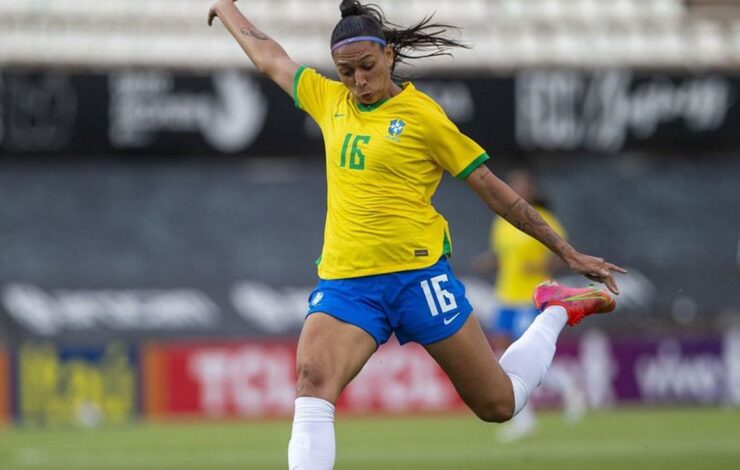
[383, 267]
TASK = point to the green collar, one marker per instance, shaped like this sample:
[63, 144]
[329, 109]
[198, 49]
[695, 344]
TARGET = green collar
[366, 108]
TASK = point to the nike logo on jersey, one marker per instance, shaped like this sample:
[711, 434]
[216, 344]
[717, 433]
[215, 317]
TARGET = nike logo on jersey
[449, 320]
[339, 114]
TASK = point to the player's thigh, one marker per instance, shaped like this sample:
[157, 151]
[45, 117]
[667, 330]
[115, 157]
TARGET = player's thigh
[330, 354]
[467, 359]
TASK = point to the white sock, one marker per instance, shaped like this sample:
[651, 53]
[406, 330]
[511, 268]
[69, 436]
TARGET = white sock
[312, 445]
[526, 361]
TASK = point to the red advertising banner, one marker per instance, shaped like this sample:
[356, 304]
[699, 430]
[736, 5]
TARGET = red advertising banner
[400, 379]
[255, 379]
[219, 379]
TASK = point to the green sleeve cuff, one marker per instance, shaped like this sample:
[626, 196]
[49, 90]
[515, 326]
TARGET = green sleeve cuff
[473, 165]
[297, 77]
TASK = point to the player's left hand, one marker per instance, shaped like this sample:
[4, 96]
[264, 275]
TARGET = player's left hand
[596, 269]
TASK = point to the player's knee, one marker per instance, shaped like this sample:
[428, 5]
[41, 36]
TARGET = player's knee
[495, 411]
[312, 379]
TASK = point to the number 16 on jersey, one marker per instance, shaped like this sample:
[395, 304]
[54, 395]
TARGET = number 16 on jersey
[444, 298]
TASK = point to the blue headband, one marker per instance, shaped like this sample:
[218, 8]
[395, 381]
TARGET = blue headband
[341, 43]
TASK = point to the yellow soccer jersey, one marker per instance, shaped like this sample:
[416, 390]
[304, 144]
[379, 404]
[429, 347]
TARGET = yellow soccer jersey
[522, 260]
[383, 164]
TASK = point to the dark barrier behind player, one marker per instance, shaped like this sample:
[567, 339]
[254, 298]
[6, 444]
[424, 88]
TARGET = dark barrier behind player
[179, 114]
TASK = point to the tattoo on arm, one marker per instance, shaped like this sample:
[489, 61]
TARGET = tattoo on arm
[528, 220]
[511, 207]
[254, 33]
[524, 217]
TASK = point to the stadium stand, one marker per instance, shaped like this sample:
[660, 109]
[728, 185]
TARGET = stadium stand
[504, 34]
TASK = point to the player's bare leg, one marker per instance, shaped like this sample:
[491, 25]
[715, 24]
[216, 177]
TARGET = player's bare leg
[469, 362]
[330, 354]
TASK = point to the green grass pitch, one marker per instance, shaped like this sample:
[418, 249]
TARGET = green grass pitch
[624, 439]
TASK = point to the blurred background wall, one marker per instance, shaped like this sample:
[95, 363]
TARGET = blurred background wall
[163, 204]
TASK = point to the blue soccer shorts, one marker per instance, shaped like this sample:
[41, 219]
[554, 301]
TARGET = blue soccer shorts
[513, 320]
[423, 305]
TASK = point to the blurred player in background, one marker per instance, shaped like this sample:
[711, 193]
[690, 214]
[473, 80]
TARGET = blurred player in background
[521, 263]
[383, 267]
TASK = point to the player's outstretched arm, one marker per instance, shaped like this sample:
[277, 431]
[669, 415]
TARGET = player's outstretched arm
[266, 54]
[505, 202]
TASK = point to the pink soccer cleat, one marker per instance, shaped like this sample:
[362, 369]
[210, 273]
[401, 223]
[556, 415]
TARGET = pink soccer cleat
[578, 302]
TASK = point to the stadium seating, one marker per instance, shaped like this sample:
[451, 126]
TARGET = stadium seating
[505, 33]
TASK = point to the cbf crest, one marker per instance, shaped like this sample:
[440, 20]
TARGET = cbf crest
[395, 128]
[316, 299]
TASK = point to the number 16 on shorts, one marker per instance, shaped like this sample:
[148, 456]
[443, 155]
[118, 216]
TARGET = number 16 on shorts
[444, 298]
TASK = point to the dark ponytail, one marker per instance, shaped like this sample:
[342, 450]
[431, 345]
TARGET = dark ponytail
[355, 8]
[424, 39]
